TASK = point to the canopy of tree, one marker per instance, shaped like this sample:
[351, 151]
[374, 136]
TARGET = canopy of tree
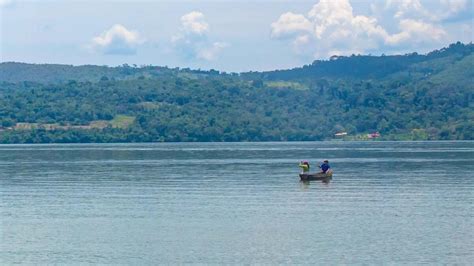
[403, 97]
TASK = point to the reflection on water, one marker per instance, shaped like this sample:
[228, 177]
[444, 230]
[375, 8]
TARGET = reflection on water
[224, 203]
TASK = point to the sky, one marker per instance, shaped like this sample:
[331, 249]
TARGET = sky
[232, 36]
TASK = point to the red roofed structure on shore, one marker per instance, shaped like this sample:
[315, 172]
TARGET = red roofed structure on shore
[373, 135]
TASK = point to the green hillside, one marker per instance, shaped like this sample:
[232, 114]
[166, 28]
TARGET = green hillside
[373, 67]
[402, 97]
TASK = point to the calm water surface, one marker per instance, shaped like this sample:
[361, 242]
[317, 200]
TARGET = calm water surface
[224, 203]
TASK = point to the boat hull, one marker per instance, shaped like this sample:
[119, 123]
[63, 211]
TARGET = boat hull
[316, 176]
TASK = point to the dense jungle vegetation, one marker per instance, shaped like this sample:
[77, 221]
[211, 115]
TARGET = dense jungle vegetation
[404, 97]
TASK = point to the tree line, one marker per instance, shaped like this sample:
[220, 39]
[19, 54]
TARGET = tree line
[420, 97]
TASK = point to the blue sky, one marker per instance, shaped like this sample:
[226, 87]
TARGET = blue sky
[225, 35]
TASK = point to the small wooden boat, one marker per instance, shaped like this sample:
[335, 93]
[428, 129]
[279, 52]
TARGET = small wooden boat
[316, 176]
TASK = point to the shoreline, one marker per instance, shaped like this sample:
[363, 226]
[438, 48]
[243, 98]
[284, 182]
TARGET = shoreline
[234, 142]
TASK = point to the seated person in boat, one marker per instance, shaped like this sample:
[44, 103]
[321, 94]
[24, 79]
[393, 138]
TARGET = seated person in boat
[325, 168]
[304, 167]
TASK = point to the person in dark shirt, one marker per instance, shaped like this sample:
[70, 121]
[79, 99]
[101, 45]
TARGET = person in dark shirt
[325, 166]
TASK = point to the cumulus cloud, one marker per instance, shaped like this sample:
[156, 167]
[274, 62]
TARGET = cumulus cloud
[404, 8]
[194, 23]
[415, 32]
[332, 28]
[290, 24]
[192, 41]
[432, 10]
[117, 40]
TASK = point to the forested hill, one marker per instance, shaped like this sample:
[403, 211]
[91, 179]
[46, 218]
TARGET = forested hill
[375, 67]
[54, 73]
[403, 97]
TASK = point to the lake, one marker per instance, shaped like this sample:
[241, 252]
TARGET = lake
[227, 203]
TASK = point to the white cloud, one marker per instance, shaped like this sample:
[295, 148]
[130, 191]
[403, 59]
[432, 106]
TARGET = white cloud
[416, 32]
[404, 7]
[290, 24]
[331, 27]
[432, 10]
[195, 23]
[329, 13]
[117, 40]
[192, 41]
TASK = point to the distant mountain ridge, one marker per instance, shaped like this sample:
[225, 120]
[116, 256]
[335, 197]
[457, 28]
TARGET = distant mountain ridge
[371, 67]
[57, 73]
[403, 97]
[355, 66]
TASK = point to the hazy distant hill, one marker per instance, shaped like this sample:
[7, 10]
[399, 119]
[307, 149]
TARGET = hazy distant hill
[54, 73]
[403, 97]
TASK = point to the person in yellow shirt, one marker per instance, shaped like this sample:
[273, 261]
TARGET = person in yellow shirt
[304, 167]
